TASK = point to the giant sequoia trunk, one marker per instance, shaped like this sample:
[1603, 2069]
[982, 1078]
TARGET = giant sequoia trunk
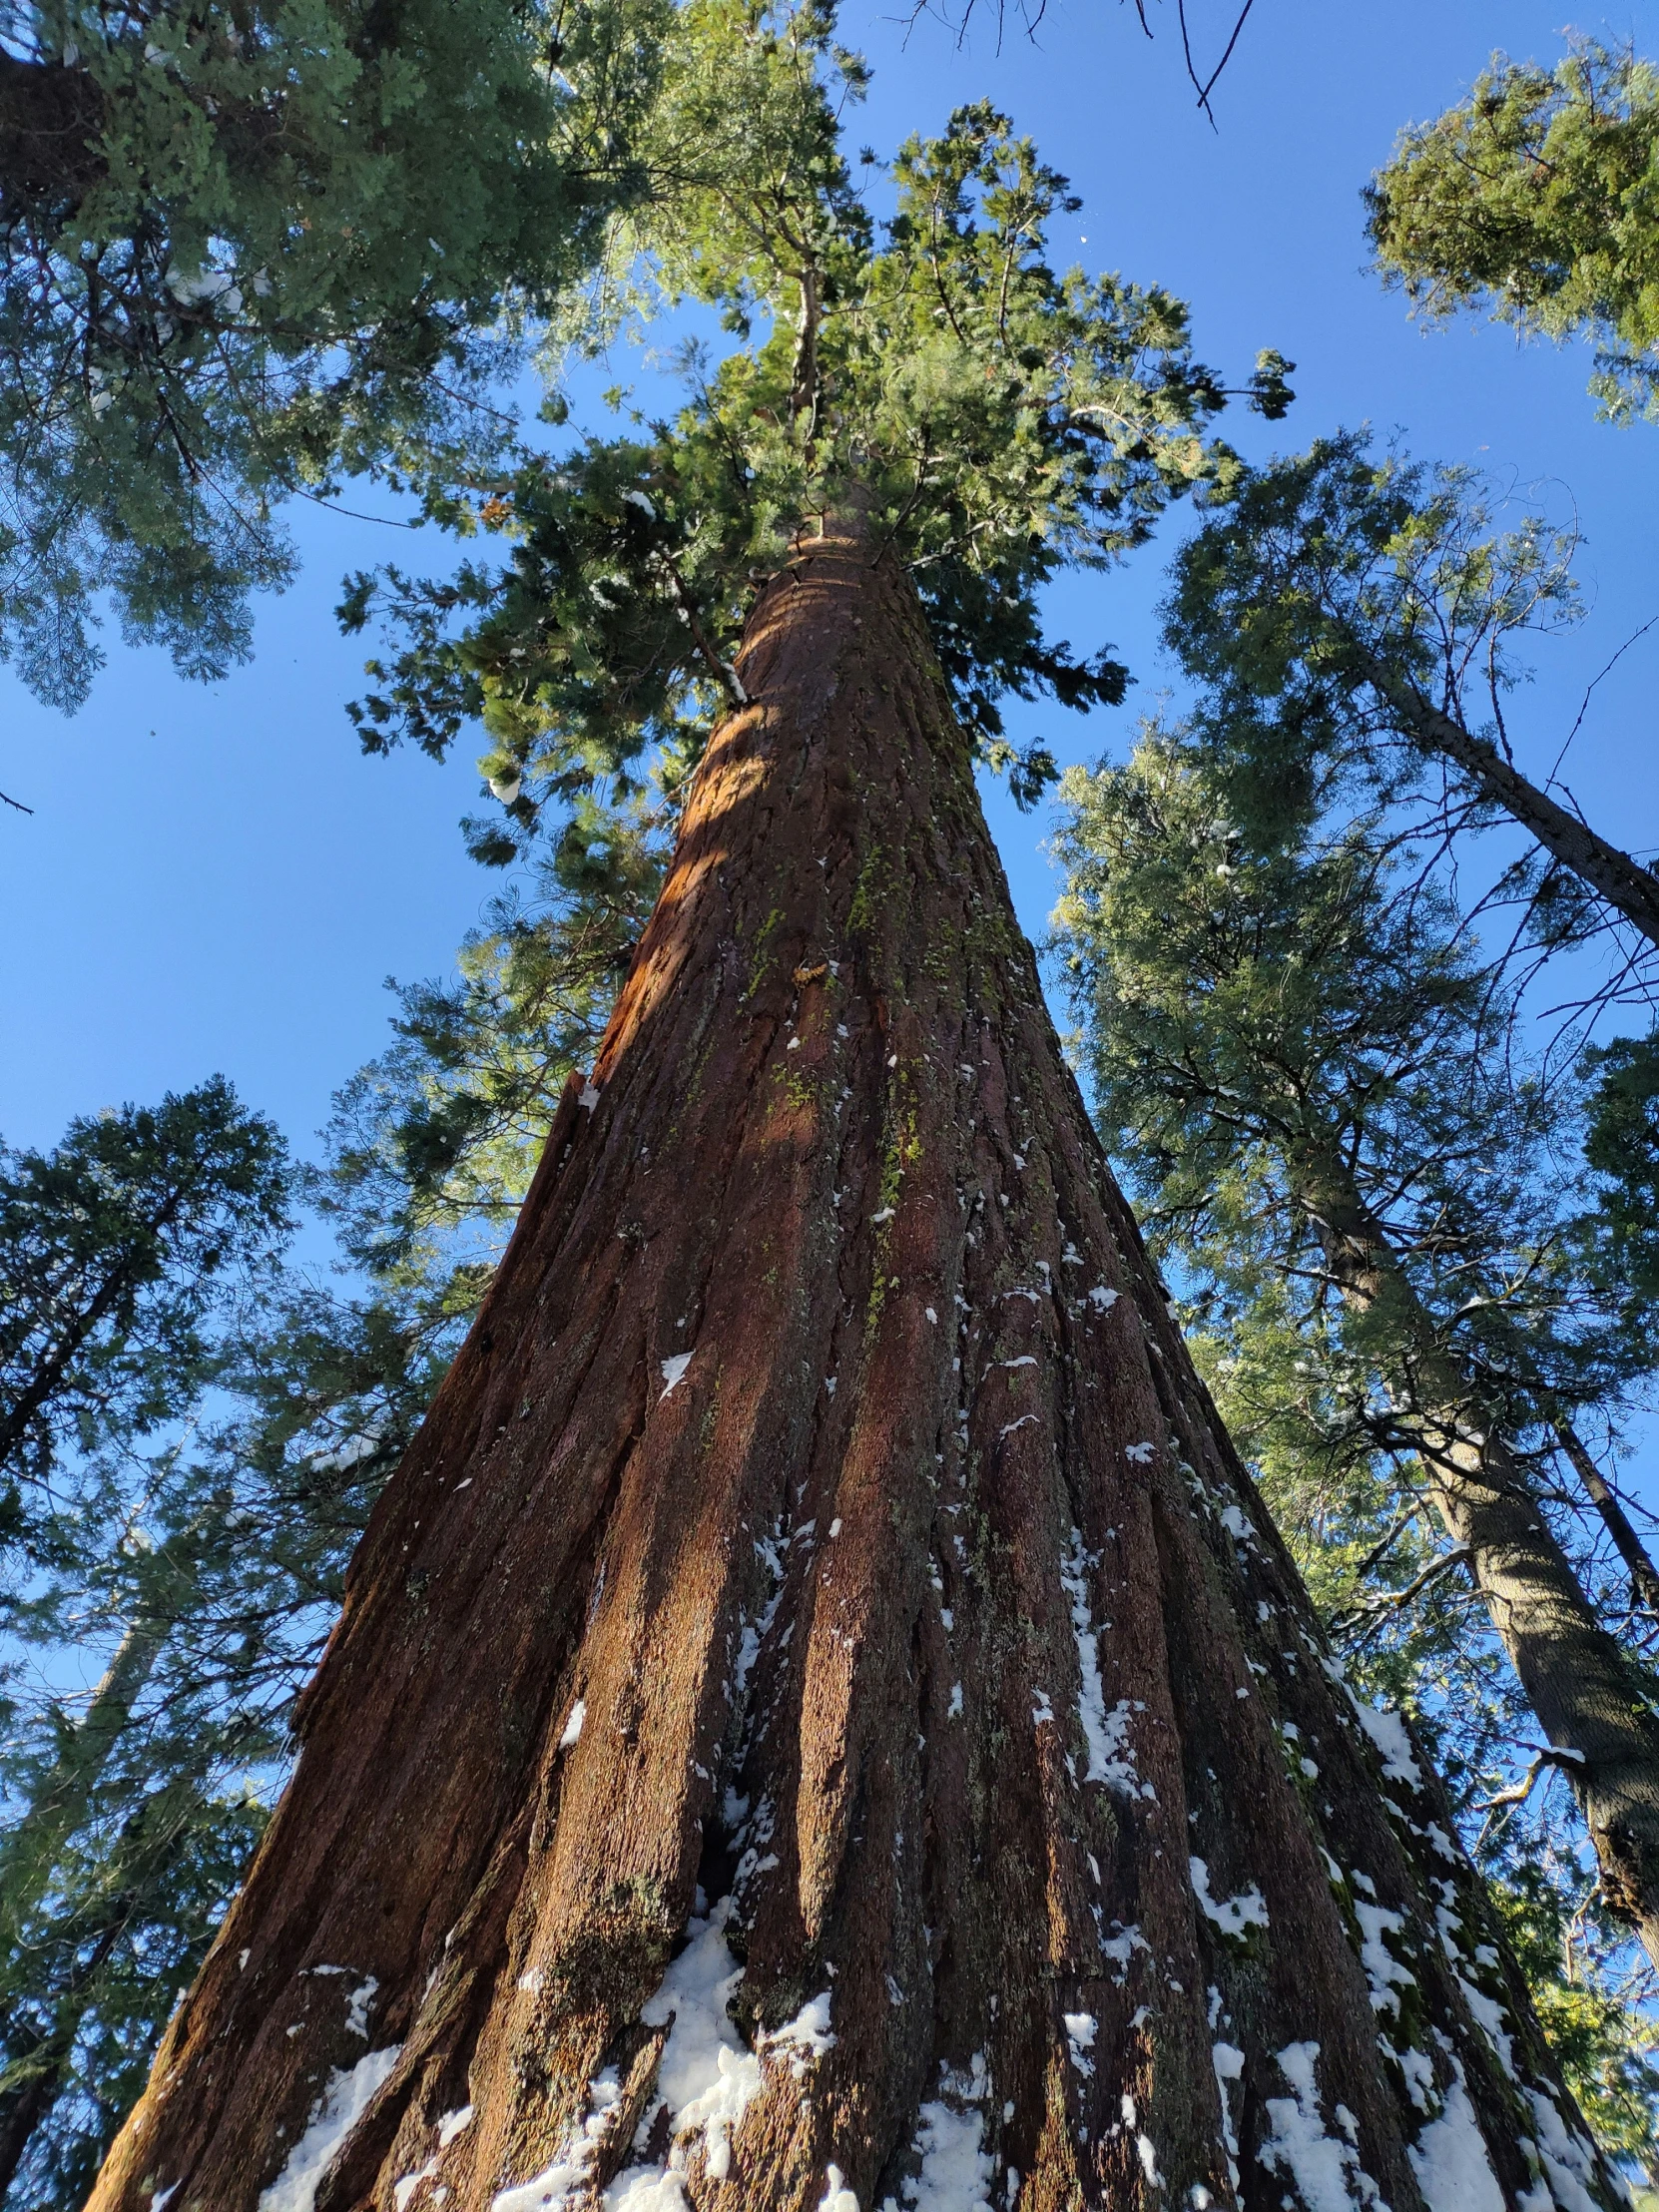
[821, 1719]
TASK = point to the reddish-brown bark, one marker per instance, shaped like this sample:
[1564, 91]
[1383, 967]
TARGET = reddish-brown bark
[831, 1604]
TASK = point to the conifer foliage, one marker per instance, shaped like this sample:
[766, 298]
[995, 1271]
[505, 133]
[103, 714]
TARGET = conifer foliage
[250, 250]
[1538, 198]
[111, 1247]
[198, 1437]
[1357, 614]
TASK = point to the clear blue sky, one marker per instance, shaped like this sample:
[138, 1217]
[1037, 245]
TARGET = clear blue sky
[214, 878]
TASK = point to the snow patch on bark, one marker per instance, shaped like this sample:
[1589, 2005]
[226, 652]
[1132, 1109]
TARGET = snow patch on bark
[1383, 1971]
[1231, 1914]
[1487, 2012]
[956, 2172]
[1568, 2159]
[806, 2037]
[404, 2187]
[1107, 1734]
[1384, 1728]
[706, 2077]
[341, 2106]
[1388, 1732]
[552, 2189]
[1119, 1950]
[1325, 2170]
[1145, 2150]
[837, 2196]
[1229, 2062]
[706, 2074]
[1450, 2162]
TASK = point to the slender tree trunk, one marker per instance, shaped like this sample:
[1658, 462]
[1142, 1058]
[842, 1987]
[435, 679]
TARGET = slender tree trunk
[29, 1857]
[22, 2109]
[823, 1548]
[1644, 1577]
[44, 2047]
[30, 1851]
[1627, 886]
[1588, 1701]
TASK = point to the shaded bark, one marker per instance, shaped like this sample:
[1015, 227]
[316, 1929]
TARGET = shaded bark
[824, 1525]
[1589, 1704]
[1627, 886]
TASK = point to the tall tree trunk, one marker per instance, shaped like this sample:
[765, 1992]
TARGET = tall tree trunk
[1624, 884]
[824, 1547]
[1589, 1704]
[37, 2050]
[30, 1851]
[1644, 1577]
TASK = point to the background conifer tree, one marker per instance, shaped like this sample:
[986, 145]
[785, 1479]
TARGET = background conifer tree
[1320, 1098]
[1536, 199]
[251, 251]
[197, 1441]
[1360, 615]
[112, 1249]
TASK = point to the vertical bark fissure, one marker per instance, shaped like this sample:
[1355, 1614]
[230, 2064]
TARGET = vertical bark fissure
[847, 1653]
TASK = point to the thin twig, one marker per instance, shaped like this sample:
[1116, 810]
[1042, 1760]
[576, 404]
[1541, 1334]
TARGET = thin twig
[1584, 703]
[1208, 85]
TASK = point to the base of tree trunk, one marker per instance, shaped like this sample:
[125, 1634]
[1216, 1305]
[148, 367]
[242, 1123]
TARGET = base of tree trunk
[821, 1719]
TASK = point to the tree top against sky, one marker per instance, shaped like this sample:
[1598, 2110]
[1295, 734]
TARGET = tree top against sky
[1536, 201]
[990, 418]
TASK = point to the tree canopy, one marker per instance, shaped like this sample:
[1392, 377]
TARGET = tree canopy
[252, 251]
[1536, 199]
[990, 418]
[113, 1249]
